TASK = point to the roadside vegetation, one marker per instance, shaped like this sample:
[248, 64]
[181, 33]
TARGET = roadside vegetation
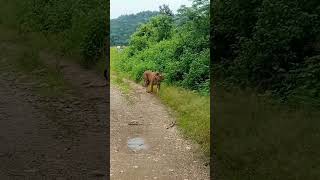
[175, 45]
[266, 89]
[117, 77]
[72, 27]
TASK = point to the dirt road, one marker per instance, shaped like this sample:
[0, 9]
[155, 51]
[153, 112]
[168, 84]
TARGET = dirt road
[67, 138]
[51, 138]
[142, 148]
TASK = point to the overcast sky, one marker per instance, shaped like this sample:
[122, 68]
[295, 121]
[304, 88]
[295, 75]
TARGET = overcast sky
[122, 7]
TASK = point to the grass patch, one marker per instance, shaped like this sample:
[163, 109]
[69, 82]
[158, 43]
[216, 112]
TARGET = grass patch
[119, 82]
[192, 109]
[116, 76]
[257, 138]
[193, 113]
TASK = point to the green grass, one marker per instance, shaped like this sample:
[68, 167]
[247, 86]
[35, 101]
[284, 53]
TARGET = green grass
[193, 113]
[192, 110]
[119, 82]
[257, 138]
[117, 77]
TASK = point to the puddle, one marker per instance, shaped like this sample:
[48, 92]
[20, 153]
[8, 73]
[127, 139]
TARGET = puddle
[136, 144]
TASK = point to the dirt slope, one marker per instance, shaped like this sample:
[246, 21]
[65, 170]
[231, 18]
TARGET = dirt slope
[141, 145]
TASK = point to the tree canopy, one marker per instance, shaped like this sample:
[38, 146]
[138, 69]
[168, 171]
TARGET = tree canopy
[270, 45]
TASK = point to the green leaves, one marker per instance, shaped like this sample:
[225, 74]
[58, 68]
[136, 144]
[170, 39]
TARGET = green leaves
[80, 24]
[264, 41]
[177, 46]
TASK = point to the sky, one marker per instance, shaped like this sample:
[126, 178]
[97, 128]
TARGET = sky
[123, 7]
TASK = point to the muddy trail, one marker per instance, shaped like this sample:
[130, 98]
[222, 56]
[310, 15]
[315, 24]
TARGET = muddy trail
[52, 137]
[144, 145]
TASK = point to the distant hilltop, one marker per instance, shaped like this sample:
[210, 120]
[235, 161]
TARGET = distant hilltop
[124, 26]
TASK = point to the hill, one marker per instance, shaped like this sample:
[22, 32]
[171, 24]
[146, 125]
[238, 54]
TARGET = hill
[124, 26]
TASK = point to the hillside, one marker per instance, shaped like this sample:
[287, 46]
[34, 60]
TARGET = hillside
[123, 26]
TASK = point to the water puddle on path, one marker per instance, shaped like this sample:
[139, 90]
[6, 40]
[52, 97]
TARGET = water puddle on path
[137, 144]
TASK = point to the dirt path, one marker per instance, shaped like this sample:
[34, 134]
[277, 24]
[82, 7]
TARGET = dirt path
[51, 138]
[66, 138]
[141, 145]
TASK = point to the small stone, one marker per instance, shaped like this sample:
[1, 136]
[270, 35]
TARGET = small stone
[133, 122]
[171, 170]
[135, 167]
[121, 171]
[188, 147]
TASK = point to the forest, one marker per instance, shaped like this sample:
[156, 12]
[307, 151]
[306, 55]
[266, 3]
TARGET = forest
[176, 45]
[122, 27]
[76, 27]
[269, 45]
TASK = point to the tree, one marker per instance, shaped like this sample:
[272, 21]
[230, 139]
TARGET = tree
[165, 10]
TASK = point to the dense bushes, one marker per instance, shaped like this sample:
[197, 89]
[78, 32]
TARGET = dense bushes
[176, 45]
[266, 44]
[80, 25]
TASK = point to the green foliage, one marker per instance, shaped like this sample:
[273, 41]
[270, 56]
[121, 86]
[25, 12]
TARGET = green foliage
[176, 46]
[266, 43]
[271, 46]
[80, 26]
[124, 26]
